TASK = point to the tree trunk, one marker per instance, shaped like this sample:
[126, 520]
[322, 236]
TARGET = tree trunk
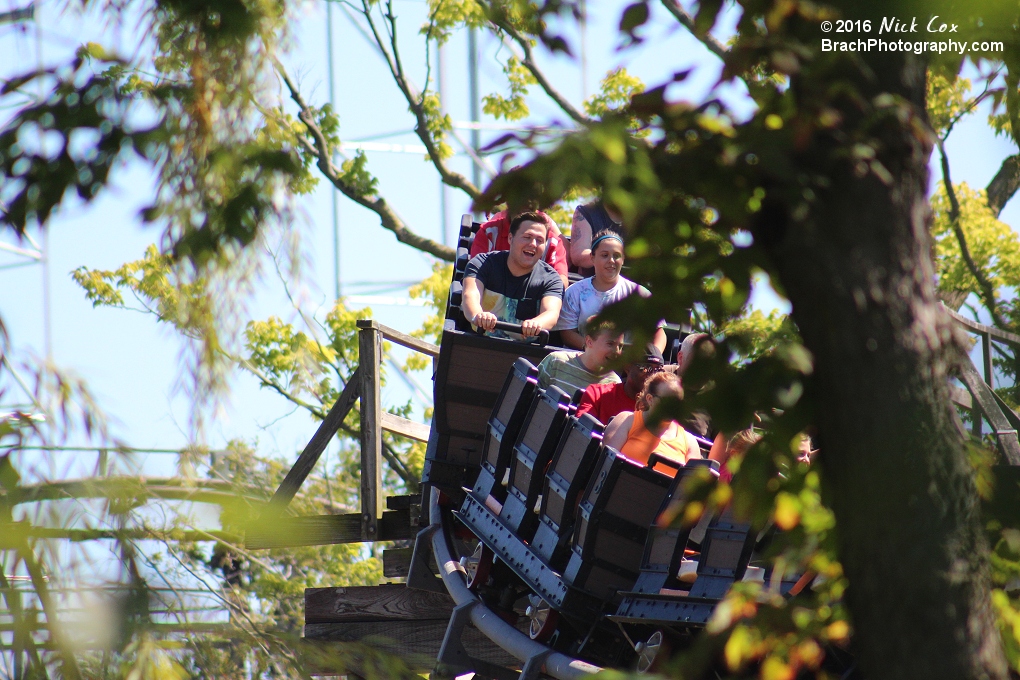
[860, 277]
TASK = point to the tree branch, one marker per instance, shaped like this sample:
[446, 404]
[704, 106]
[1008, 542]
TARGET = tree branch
[318, 146]
[987, 291]
[1004, 185]
[687, 21]
[415, 102]
[971, 105]
[500, 20]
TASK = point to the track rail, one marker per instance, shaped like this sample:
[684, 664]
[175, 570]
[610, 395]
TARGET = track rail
[536, 656]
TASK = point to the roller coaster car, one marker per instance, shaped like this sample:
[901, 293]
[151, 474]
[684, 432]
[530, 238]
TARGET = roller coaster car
[568, 475]
[538, 442]
[657, 599]
[504, 426]
[621, 502]
[569, 518]
[470, 375]
[599, 558]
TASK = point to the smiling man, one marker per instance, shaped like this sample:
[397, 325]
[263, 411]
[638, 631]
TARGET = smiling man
[516, 285]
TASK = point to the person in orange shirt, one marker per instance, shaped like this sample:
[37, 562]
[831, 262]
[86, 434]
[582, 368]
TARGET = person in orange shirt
[636, 439]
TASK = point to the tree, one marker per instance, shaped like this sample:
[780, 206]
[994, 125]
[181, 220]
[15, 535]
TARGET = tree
[167, 557]
[823, 187]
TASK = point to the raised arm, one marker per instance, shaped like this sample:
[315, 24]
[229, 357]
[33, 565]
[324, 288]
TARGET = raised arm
[659, 339]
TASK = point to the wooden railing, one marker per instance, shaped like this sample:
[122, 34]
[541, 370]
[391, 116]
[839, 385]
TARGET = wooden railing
[983, 402]
[380, 518]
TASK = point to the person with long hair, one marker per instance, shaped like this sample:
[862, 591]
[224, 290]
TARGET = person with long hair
[637, 437]
[587, 297]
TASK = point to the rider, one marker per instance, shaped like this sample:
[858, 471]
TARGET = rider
[637, 438]
[573, 371]
[515, 285]
[495, 235]
[605, 287]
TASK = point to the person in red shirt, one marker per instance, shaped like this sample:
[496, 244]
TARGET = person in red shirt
[494, 235]
[603, 401]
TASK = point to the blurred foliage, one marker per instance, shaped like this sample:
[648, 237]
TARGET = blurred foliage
[702, 189]
[947, 101]
[993, 244]
[692, 181]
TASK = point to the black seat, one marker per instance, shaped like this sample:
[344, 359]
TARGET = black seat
[454, 315]
[534, 449]
[508, 416]
[621, 501]
[725, 553]
[470, 375]
[575, 456]
[664, 548]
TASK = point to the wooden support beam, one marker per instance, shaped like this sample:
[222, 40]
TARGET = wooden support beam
[996, 333]
[396, 562]
[388, 602]
[960, 397]
[1002, 426]
[986, 360]
[369, 358]
[403, 502]
[289, 532]
[416, 642]
[405, 427]
[405, 622]
[310, 456]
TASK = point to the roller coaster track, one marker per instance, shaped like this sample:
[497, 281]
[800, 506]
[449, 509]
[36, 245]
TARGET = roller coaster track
[535, 656]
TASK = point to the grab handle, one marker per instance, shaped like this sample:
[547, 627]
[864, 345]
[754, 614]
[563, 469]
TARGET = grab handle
[543, 335]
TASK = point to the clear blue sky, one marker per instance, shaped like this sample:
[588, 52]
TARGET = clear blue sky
[132, 364]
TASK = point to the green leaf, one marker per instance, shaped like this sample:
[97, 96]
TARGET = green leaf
[634, 16]
[704, 20]
[9, 477]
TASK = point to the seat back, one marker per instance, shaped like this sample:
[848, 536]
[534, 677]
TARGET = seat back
[470, 375]
[535, 446]
[664, 548]
[621, 501]
[571, 467]
[454, 315]
[508, 415]
[725, 553]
